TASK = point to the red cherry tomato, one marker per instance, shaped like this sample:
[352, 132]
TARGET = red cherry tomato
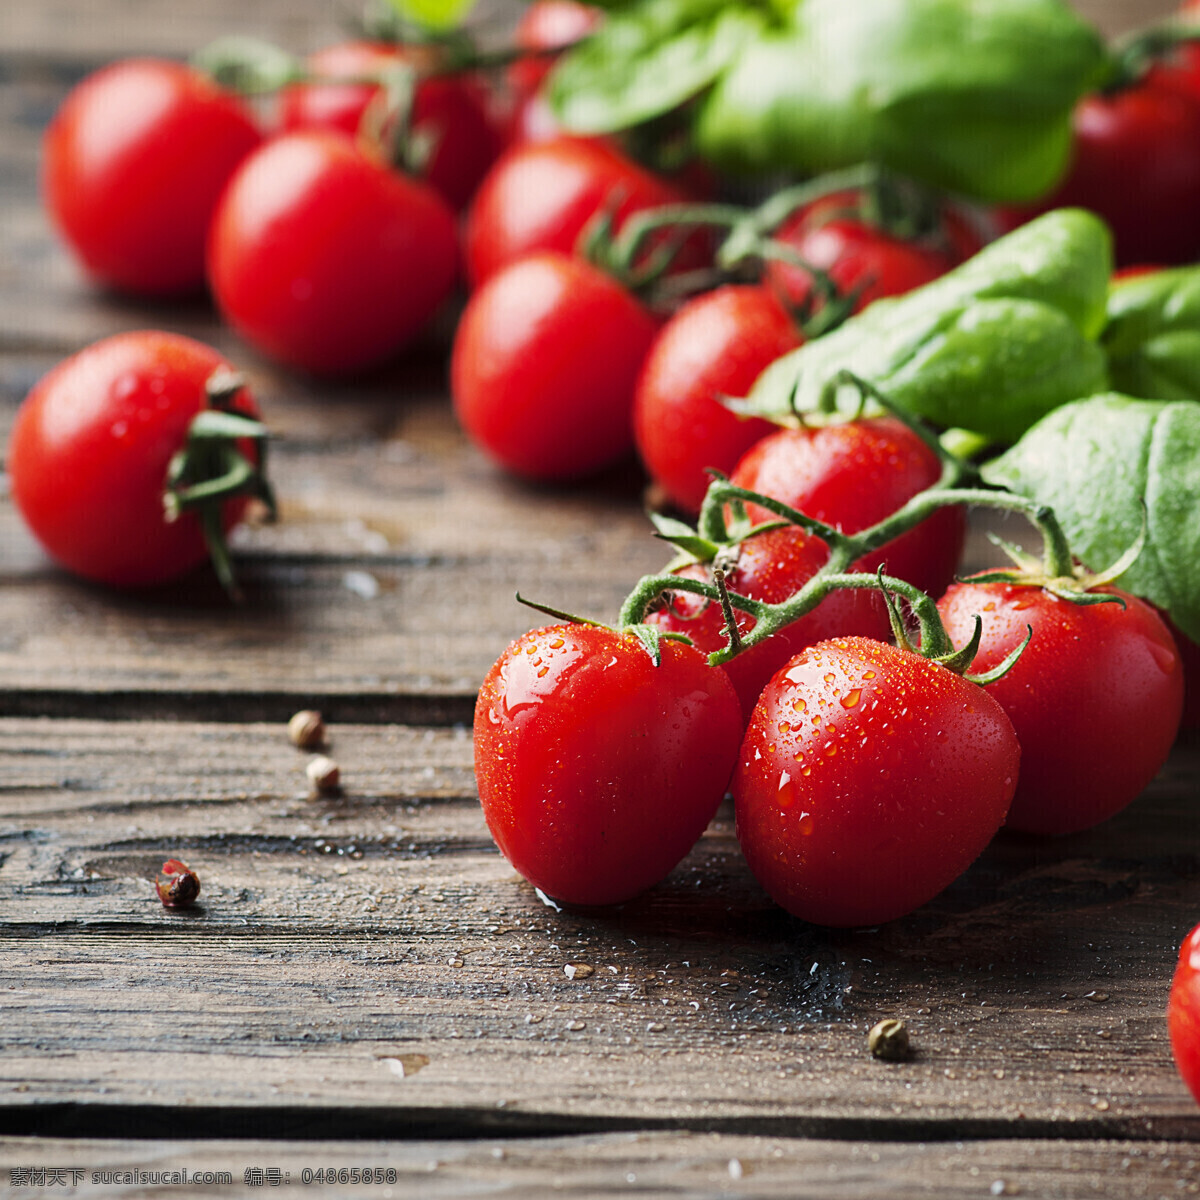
[134, 162]
[861, 258]
[1183, 1012]
[716, 345]
[597, 770]
[451, 110]
[1148, 132]
[1095, 699]
[853, 475]
[1189, 656]
[544, 365]
[870, 779]
[544, 27]
[89, 454]
[772, 567]
[326, 260]
[542, 196]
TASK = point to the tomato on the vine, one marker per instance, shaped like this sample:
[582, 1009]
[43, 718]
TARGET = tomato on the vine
[598, 770]
[544, 365]
[90, 452]
[134, 163]
[850, 476]
[1183, 1012]
[870, 779]
[716, 345]
[541, 196]
[862, 258]
[1095, 698]
[772, 567]
[324, 258]
[452, 111]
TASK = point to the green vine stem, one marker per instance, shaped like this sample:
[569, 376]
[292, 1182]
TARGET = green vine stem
[725, 500]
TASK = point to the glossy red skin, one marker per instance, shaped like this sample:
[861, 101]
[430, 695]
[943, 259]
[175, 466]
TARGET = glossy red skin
[597, 771]
[541, 196]
[772, 567]
[89, 453]
[1095, 699]
[544, 365]
[1189, 656]
[715, 345]
[1183, 1012]
[453, 110]
[133, 165]
[324, 259]
[853, 475]
[857, 258]
[1148, 133]
[870, 779]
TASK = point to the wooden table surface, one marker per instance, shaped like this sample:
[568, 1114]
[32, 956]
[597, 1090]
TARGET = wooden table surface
[366, 983]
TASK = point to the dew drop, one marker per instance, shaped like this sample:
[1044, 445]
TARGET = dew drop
[850, 699]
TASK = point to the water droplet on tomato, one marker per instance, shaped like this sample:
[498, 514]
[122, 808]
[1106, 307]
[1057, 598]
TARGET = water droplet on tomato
[850, 699]
[831, 679]
[799, 704]
[868, 674]
[786, 793]
[804, 824]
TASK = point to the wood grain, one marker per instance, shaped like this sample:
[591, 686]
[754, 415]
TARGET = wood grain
[336, 935]
[661, 1164]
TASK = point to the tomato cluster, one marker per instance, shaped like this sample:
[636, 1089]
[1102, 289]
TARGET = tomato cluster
[332, 225]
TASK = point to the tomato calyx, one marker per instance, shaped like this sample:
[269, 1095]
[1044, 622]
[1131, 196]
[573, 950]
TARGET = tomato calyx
[643, 250]
[650, 638]
[211, 468]
[868, 196]
[1135, 56]
[1077, 585]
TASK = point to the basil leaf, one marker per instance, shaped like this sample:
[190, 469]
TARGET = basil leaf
[992, 346]
[970, 95]
[1096, 462]
[646, 60]
[1153, 335]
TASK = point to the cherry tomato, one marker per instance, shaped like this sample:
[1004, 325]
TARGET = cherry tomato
[859, 257]
[597, 770]
[89, 454]
[851, 476]
[326, 260]
[716, 345]
[544, 27]
[1189, 656]
[134, 162]
[1148, 132]
[451, 110]
[544, 365]
[772, 567]
[1095, 699]
[541, 197]
[1183, 1012]
[870, 779]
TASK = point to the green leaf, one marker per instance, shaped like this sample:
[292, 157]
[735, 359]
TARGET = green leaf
[1097, 462]
[991, 347]
[970, 95]
[1153, 335]
[646, 60]
[434, 14]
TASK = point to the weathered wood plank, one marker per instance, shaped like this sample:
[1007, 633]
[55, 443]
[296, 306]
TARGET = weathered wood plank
[336, 935]
[662, 1164]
